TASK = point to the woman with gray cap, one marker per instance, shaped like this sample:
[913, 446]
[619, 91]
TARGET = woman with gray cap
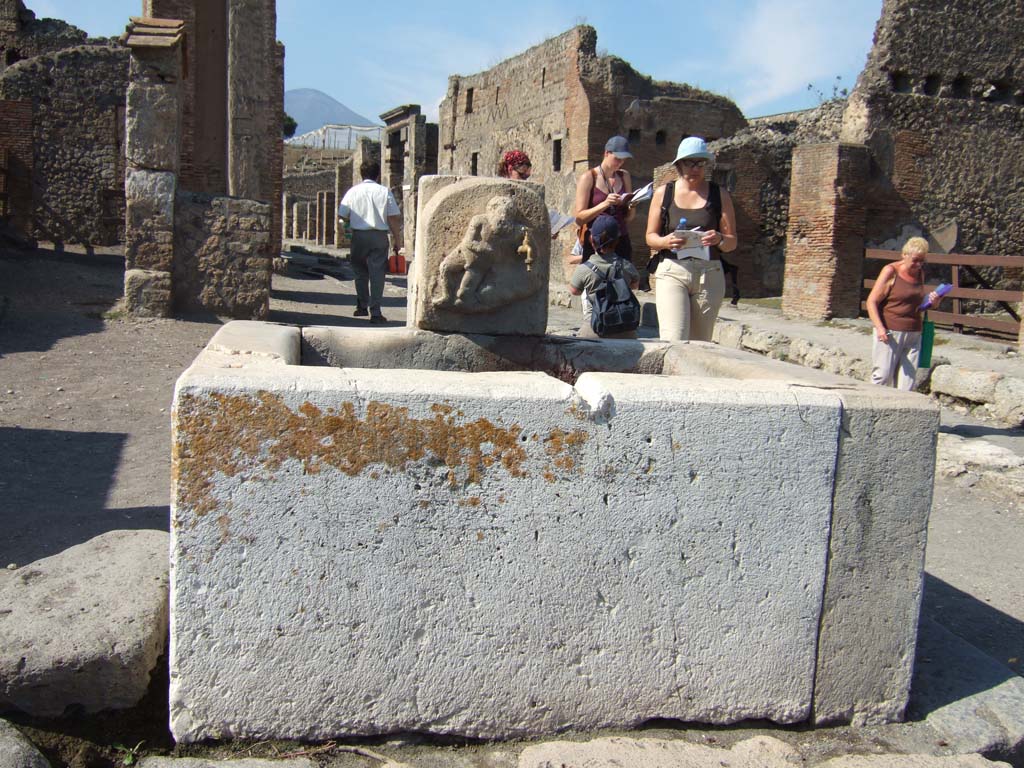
[603, 189]
[690, 281]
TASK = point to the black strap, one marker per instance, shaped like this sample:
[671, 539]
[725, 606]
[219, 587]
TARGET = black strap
[715, 203]
[666, 203]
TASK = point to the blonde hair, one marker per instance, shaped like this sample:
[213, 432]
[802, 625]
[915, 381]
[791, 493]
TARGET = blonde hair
[915, 245]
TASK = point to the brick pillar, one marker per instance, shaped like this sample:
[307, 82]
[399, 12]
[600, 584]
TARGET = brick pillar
[825, 239]
[152, 152]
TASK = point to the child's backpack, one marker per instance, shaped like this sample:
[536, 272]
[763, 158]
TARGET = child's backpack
[614, 308]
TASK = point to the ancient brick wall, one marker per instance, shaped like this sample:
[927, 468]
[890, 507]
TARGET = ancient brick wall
[307, 185]
[946, 133]
[222, 249]
[16, 151]
[755, 166]
[78, 103]
[825, 239]
[560, 102]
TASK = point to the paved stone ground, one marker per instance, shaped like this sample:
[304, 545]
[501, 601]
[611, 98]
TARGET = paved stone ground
[84, 449]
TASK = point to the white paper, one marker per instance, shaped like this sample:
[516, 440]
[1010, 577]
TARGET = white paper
[692, 248]
[559, 221]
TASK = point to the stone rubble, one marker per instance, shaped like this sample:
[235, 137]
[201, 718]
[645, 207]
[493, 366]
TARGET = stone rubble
[81, 631]
[16, 751]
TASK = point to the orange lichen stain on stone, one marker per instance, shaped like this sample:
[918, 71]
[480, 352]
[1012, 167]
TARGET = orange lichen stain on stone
[479, 535]
[578, 412]
[225, 433]
[472, 501]
[224, 523]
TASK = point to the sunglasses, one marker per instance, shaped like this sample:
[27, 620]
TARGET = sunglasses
[694, 163]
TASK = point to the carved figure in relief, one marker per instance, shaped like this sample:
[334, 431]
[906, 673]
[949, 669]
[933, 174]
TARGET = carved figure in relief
[491, 266]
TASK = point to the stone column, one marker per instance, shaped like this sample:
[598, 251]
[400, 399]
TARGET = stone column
[342, 183]
[825, 239]
[299, 213]
[287, 210]
[330, 216]
[310, 230]
[318, 232]
[152, 152]
[249, 73]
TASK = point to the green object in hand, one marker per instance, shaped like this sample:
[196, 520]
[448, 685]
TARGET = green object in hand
[924, 360]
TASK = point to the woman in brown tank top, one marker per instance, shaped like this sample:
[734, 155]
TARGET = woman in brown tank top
[894, 308]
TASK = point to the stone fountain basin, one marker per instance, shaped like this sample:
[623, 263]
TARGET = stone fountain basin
[492, 537]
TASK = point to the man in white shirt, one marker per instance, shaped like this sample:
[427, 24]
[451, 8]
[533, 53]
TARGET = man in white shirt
[372, 211]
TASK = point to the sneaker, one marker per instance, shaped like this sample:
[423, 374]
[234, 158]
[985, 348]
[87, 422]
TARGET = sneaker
[378, 319]
[361, 312]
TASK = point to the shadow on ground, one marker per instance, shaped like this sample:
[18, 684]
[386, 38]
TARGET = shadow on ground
[33, 284]
[54, 486]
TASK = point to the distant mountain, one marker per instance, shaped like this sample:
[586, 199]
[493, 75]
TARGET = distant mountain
[314, 109]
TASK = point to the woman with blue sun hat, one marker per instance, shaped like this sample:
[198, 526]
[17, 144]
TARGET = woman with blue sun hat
[690, 281]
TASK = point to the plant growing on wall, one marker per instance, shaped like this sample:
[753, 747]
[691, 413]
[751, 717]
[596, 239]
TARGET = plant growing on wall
[288, 126]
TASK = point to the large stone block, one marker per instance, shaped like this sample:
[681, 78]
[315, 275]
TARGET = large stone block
[82, 630]
[149, 201]
[148, 292]
[525, 554]
[963, 383]
[152, 126]
[483, 249]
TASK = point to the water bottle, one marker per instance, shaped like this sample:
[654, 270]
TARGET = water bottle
[680, 230]
[942, 290]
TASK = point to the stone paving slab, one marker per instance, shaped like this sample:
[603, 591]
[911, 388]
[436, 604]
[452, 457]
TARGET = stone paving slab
[82, 630]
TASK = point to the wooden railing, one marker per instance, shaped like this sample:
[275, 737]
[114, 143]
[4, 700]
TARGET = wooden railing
[957, 319]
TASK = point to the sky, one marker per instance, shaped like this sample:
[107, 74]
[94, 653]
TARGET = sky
[373, 56]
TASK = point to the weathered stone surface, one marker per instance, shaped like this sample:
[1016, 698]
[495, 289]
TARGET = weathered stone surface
[876, 556]
[979, 462]
[149, 239]
[202, 762]
[223, 248]
[913, 761]
[18, 752]
[1008, 400]
[272, 342]
[483, 257]
[562, 357]
[976, 386]
[497, 514]
[85, 627]
[621, 752]
[147, 292]
[74, 172]
[153, 115]
[974, 702]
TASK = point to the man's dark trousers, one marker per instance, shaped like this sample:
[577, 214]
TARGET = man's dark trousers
[369, 258]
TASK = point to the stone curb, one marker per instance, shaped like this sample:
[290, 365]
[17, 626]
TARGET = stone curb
[999, 397]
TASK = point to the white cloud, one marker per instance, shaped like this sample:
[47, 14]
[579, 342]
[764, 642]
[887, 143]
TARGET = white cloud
[781, 46]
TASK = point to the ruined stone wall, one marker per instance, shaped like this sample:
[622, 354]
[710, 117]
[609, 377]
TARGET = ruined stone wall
[560, 102]
[755, 165]
[307, 185]
[222, 249]
[23, 36]
[78, 105]
[521, 104]
[946, 133]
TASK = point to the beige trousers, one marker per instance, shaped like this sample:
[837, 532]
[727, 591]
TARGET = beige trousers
[894, 362]
[688, 294]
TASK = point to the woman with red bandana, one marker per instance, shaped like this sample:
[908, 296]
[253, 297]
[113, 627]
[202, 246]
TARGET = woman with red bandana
[515, 165]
